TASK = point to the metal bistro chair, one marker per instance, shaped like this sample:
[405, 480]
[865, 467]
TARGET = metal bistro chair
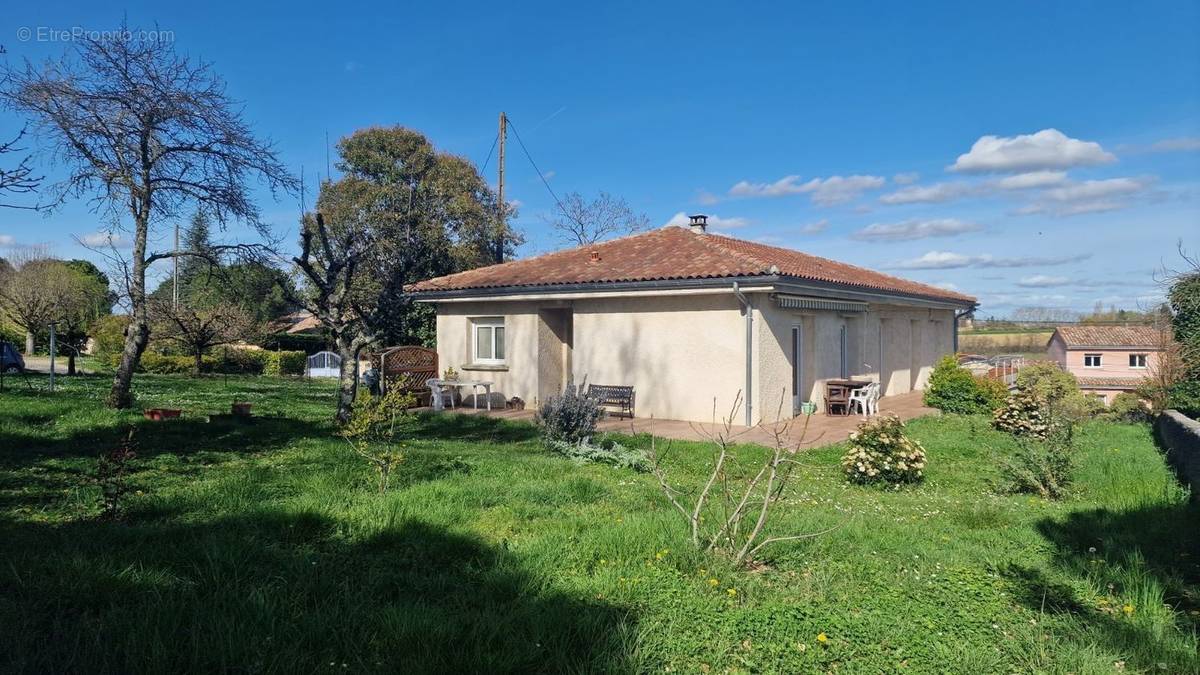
[866, 398]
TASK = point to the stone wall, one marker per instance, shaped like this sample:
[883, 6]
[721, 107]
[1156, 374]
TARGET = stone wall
[1180, 437]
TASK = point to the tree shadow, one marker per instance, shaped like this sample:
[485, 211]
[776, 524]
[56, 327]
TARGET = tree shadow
[449, 426]
[1127, 549]
[288, 592]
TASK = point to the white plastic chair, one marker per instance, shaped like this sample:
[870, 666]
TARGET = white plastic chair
[866, 398]
[440, 396]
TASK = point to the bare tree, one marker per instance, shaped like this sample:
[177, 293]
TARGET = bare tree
[330, 261]
[196, 330]
[19, 179]
[581, 222]
[28, 292]
[147, 134]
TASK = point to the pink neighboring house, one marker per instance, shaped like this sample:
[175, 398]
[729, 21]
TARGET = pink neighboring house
[1107, 360]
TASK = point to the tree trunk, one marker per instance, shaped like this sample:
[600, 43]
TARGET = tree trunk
[71, 362]
[199, 362]
[137, 334]
[347, 378]
[28, 343]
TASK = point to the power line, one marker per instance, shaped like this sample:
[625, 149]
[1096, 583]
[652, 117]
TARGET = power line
[539, 173]
[489, 155]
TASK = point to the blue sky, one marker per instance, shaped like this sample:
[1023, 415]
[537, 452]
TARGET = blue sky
[1031, 154]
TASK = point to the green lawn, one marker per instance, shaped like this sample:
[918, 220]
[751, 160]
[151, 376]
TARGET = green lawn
[268, 548]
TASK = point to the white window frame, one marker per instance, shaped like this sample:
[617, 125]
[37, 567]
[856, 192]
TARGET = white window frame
[491, 323]
[1099, 361]
[1134, 358]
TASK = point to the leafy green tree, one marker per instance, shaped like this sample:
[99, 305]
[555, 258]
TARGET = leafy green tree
[82, 296]
[1184, 299]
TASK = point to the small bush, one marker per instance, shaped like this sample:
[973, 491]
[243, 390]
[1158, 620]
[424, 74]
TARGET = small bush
[570, 418]
[1024, 415]
[1126, 407]
[371, 431]
[284, 363]
[607, 452]
[1041, 467]
[1047, 381]
[954, 389]
[160, 364]
[881, 452]
[112, 470]
[108, 332]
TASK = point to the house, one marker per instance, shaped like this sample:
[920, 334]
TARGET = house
[690, 319]
[1107, 360]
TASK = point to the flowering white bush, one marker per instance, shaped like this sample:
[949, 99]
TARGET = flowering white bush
[880, 452]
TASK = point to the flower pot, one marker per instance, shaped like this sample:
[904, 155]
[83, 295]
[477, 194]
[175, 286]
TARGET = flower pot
[240, 409]
[160, 414]
[808, 408]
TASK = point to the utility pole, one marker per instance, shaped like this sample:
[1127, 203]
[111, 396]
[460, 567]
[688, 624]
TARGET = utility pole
[175, 271]
[503, 205]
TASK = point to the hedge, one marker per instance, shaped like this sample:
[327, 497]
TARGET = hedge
[231, 362]
[285, 363]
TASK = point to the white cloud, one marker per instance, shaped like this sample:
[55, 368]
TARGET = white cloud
[906, 178]
[681, 219]
[948, 285]
[915, 229]
[1091, 196]
[1186, 144]
[7, 240]
[550, 174]
[1033, 179]
[928, 194]
[105, 239]
[945, 260]
[707, 198]
[1043, 281]
[823, 191]
[815, 227]
[1044, 150]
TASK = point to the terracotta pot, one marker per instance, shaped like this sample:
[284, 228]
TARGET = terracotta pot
[242, 409]
[160, 414]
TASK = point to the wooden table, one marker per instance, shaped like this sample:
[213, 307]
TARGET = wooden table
[837, 394]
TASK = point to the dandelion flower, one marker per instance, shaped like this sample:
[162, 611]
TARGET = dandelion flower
[732, 592]
[1128, 609]
[822, 638]
[714, 583]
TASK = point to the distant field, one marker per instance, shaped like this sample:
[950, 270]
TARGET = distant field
[1014, 342]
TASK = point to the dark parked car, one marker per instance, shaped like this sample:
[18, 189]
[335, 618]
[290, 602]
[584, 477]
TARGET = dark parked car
[10, 358]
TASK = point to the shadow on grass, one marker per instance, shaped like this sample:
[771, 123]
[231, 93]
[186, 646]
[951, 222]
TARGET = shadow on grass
[288, 592]
[452, 426]
[1149, 548]
[176, 437]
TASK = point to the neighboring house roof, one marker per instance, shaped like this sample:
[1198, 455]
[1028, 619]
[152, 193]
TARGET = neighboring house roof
[1109, 382]
[297, 322]
[1096, 337]
[677, 253]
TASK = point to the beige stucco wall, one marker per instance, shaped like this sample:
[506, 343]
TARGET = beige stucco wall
[682, 353]
[884, 333]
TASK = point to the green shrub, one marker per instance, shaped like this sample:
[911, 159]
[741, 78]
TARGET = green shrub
[284, 363]
[161, 364]
[108, 332]
[1041, 466]
[570, 418]
[1047, 381]
[236, 361]
[1126, 407]
[881, 452]
[954, 389]
[606, 452]
[1185, 397]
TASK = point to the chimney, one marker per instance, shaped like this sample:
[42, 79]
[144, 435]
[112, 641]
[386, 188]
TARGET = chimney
[699, 223]
[594, 256]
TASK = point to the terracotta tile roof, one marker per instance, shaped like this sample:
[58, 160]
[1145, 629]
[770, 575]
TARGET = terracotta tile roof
[1110, 382]
[1075, 337]
[672, 253]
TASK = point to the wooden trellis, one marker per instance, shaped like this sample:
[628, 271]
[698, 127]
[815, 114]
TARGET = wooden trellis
[407, 368]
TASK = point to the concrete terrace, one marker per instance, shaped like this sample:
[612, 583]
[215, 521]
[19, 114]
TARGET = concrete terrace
[822, 429]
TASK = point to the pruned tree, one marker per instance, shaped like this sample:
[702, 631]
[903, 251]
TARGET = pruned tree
[27, 293]
[147, 134]
[19, 178]
[197, 329]
[581, 222]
